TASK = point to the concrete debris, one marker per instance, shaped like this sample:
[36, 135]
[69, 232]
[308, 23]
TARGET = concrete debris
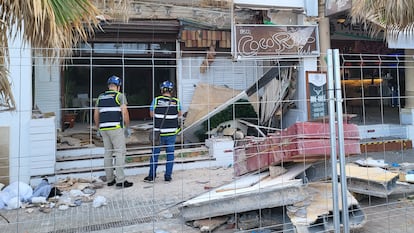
[29, 211]
[167, 214]
[369, 162]
[39, 200]
[211, 224]
[68, 192]
[276, 171]
[316, 214]
[260, 200]
[45, 209]
[86, 137]
[70, 183]
[379, 178]
[63, 207]
[248, 220]
[99, 201]
[236, 197]
[372, 181]
[232, 128]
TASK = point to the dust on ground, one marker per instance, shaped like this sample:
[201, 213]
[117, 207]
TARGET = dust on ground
[184, 185]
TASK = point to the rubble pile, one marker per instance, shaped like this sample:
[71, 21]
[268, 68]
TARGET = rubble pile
[62, 195]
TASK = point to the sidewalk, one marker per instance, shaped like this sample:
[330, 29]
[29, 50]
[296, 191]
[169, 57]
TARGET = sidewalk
[146, 207]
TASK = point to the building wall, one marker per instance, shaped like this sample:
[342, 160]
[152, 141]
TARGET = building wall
[47, 87]
[18, 121]
[300, 113]
[43, 146]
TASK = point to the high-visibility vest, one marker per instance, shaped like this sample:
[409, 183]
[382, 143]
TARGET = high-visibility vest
[110, 115]
[170, 125]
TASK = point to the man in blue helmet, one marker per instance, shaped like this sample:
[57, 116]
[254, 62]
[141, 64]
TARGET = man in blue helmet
[112, 120]
[165, 110]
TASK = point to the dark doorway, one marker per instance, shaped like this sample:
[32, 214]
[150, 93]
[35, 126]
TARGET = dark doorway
[141, 77]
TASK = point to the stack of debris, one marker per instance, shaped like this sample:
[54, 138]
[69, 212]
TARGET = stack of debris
[277, 201]
[69, 192]
[301, 142]
[275, 187]
[268, 196]
[375, 177]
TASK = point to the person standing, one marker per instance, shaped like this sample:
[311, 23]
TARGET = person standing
[112, 120]
[165, 111]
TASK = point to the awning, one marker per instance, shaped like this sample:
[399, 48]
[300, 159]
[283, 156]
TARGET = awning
[138, 31]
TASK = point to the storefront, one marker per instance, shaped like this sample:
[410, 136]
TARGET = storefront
[373, 75]
[142, 53]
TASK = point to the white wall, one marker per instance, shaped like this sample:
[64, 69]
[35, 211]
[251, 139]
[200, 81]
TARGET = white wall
[47, 87]
[43, 146]
[20, 73]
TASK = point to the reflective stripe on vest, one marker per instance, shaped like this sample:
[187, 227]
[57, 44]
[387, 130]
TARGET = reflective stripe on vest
[170, 124]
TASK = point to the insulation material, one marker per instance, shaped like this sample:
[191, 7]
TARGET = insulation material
[373, 174]
[206, 98]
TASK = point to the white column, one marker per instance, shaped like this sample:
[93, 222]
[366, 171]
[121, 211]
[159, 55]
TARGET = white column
[324, 41]
[324, 35]
[20, 69]
[407, 113]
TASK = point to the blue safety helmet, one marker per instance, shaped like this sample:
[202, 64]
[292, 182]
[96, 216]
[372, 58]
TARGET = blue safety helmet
[114, 80]
[167, 86]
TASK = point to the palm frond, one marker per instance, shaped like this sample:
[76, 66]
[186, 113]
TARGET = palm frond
[51, 27]
[7, 102]
[392, 16]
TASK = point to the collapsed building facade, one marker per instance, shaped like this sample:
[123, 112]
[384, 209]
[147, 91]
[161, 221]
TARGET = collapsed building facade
[217, 53]
[187, 44]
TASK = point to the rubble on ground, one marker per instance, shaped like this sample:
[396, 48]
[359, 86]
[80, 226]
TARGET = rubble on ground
[86, 137]
[65, 193]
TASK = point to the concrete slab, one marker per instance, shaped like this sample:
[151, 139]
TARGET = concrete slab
[251, 192]
[372, 181]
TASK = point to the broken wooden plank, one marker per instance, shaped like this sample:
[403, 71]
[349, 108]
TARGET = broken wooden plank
[222, 98]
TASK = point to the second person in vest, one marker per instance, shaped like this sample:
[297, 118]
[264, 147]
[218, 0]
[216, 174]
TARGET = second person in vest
[165, 111]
